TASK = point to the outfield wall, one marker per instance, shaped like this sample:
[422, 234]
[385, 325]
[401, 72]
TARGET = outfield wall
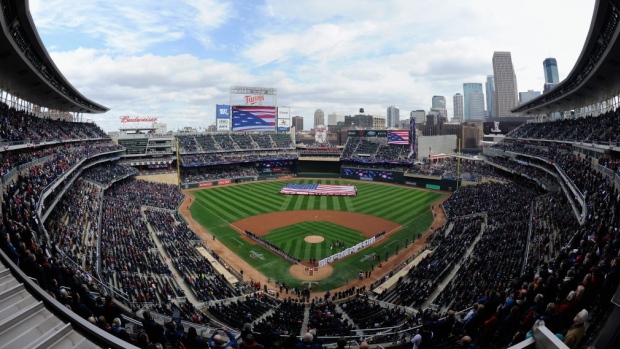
[318, 166]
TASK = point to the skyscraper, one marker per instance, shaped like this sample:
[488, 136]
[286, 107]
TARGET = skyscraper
[529, 95]
[506, 95]
[439, 102]
[490, 88]
[393, 116]
[473, 101]
[458, 107]
[319, 117]
[439, 106]
[298, 123]
[552, 78]
[419, 116]
[333, 118]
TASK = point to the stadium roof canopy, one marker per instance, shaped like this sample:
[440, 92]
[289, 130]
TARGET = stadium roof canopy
[26, 69]
[595, 77]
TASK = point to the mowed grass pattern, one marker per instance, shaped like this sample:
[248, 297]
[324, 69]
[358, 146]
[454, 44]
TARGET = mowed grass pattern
[291, 239]
[217, 207]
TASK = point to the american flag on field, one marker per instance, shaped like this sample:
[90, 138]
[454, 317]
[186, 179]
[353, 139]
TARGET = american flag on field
[398, 137]
[319, 189]
[253, 118]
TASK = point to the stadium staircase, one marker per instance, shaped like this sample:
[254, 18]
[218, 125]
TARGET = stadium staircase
[25, 322]
[188, 293]
[429, 301]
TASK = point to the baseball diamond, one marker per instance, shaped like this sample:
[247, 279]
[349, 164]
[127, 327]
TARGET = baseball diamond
[285, 220]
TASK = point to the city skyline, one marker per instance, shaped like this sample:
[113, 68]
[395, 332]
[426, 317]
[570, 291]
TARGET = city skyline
[176, 61]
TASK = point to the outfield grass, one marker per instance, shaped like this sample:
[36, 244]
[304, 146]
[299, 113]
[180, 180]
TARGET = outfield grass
[291, 239]
[216, 207]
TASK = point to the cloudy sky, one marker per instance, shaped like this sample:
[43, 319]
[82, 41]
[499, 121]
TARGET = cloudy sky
[176, 60]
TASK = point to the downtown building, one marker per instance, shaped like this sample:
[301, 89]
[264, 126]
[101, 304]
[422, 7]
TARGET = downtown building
[457, 102]
[298, 123]
[473, 101]
[552, 78]
[419, 116]
[438, 107]
[490, 94]
[393, 116]
[506, 94]
[319, 117]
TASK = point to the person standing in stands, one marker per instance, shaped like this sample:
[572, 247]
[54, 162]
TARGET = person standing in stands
[218, 342]
[154, 330]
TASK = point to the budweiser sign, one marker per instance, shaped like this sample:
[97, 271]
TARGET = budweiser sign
[255, 99]
[126, 119]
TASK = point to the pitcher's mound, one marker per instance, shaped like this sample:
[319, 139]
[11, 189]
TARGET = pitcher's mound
[312, 273]
[314, 239]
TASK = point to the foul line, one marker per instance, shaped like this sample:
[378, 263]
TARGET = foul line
[218, 216]
[240, 243]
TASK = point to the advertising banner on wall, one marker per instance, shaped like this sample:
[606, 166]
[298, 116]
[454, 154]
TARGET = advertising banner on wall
[222, 111]
[367, 133]
[284, 119]
[222, 125]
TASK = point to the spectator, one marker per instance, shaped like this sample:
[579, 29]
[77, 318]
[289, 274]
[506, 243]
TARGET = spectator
[154, 330]
[217, 342]
[119, 331]
[193, 341]
[307, 342]
[575, 333]
[248, 342]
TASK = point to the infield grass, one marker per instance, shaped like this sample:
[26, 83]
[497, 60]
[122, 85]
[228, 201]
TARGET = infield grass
[291, 239]
[216, 207]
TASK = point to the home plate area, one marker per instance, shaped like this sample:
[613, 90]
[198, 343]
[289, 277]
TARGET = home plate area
[311, 270]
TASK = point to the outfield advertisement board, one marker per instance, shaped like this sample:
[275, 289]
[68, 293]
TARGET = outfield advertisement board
[372, 175]
[367, 133]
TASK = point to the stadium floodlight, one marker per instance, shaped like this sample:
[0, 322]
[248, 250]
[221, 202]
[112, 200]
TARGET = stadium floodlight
[269, 91]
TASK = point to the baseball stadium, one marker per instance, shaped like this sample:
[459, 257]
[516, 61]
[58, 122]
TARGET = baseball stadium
[496, 234]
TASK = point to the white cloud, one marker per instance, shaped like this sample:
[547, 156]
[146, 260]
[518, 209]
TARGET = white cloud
[171, 59]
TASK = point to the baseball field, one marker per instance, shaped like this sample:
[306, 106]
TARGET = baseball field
[314, 226]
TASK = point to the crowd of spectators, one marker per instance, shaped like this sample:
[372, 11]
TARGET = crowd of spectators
[282, 140]
[272, 247]
[448, 245]
[224, 141]
[522, 167]
[143, 193]
[325, 319]
[205, 159]
[180, 243]
[73, 225]
[604, 128]
[217, 172]
[287, 318]
[243, 310]
[107, 173]
[368, 314]
[16, 126]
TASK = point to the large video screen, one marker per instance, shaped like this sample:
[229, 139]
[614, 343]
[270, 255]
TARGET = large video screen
[253, 118]
[368, 175]
[398, 137]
